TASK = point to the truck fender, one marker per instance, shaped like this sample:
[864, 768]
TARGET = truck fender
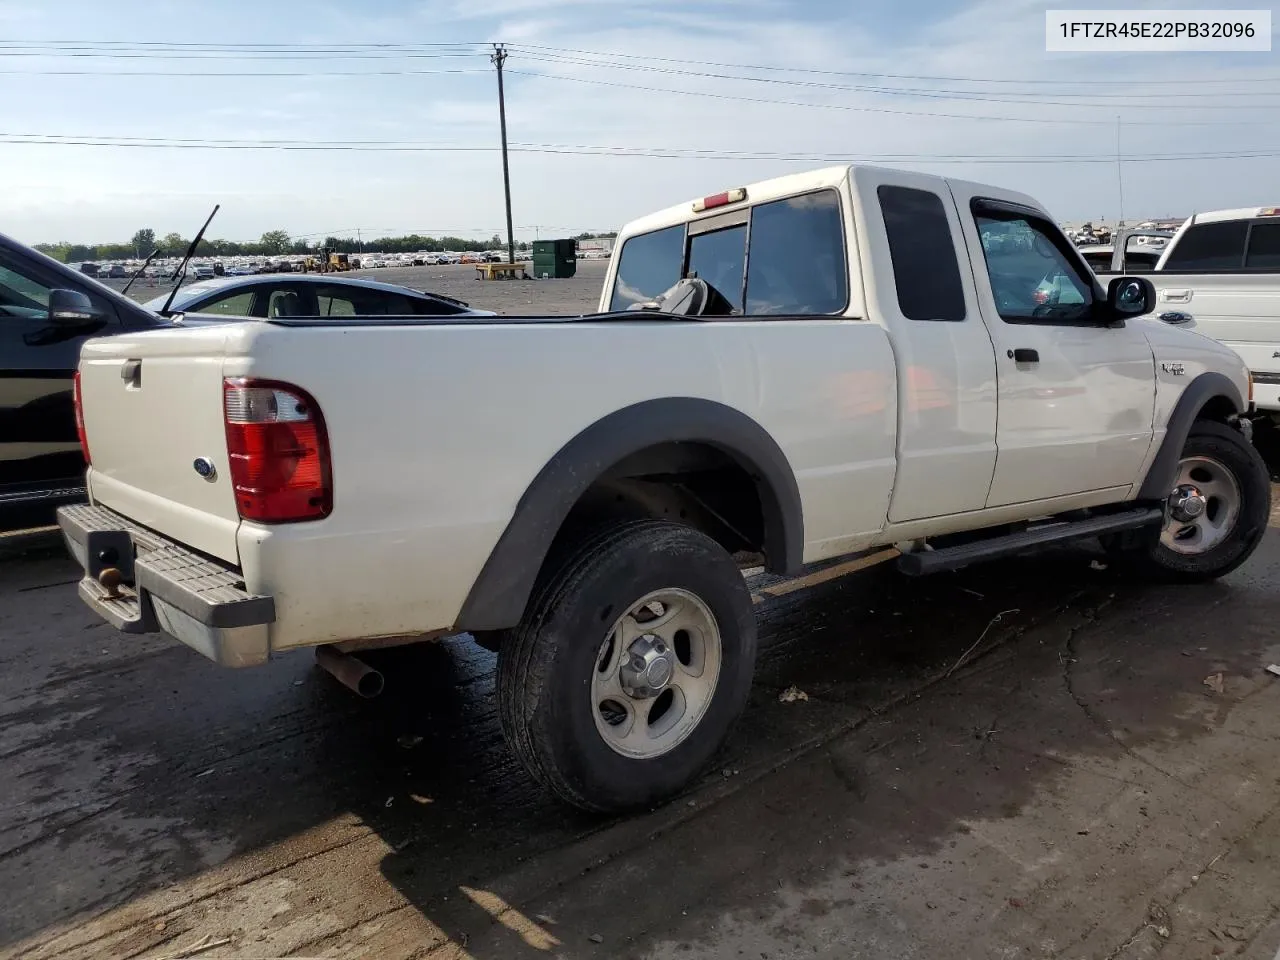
[1200, 391]
[498, 597]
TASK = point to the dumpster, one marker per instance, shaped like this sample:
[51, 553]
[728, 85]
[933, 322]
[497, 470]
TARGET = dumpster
[555, 259]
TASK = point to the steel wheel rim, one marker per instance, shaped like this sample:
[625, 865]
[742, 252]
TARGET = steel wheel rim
[1220, 491]
[648, 726]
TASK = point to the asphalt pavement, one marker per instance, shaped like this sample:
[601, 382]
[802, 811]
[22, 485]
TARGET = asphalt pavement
[1027, 759]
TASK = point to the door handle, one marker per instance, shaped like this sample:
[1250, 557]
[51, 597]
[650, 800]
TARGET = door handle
[1176, 316]
[1178, 296]
[1024, 355]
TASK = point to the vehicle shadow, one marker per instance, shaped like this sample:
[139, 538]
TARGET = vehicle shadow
[158, 794]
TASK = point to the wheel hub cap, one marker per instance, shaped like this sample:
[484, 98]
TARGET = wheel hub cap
[648, 668]
[1186, 503]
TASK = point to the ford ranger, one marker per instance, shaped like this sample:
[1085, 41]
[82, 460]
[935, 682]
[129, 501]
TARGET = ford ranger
[851, 360]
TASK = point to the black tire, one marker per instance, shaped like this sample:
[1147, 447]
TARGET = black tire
[546, 665]
[1151, 559]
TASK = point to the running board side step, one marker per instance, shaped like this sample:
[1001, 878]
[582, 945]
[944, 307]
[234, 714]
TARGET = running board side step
[953, 558]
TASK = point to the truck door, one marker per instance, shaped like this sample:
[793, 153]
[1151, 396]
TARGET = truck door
[1076, 397]
[39, 453]
[946, 378]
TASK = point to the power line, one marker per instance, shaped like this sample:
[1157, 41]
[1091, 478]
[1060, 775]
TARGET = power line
[1004, 97]
[479, 47]
[235, 73]
[617, 151]
[855, 73]
[863, 109]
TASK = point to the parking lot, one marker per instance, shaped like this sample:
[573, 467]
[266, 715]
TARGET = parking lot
[1037, 753]
[578, 294]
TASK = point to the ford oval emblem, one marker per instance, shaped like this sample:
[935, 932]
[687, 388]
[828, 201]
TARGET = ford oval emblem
[204, 466]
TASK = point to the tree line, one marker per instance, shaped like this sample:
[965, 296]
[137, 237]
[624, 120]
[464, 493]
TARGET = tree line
[273, 243]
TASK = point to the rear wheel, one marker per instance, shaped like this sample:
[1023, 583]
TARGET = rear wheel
[630, 667]
[1215, 514]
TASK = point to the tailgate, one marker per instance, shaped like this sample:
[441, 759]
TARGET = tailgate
[152, 408]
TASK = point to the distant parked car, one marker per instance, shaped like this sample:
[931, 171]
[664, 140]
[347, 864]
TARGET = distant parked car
[202, 271]
[310, 295]
[89, 269]
[115, 272]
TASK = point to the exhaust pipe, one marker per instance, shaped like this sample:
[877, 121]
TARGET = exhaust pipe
[351, 673]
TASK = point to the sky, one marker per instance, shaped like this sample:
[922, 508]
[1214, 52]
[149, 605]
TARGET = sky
[957, 88]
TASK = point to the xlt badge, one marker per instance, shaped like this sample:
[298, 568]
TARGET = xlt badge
[1173, 369]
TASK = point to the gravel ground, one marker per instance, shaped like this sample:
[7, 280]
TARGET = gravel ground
[579, 294]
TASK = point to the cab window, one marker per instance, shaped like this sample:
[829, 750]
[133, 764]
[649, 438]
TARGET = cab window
[1033, 279]
[797, 264]
[780, 258]
[648, 264]
[720, 258]
[926, 271]
[1264, 247]
[1210, 246]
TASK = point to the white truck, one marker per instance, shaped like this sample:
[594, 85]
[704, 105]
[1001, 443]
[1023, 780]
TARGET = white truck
[842, 361]
[1220, 276]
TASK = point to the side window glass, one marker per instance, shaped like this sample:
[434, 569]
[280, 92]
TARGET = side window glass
[926, 271]
[334, 302]
[1032, 277]
[648, 264]
[378, 304]
[1264, 247]
[20, 296]
[719, 258]
[236, 305]
[284, 303]
[797, 263]
[1210, 246]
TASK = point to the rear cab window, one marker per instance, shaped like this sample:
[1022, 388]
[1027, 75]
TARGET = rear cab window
[781, 257]
[926, 271]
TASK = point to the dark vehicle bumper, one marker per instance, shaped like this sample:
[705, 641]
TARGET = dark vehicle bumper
[159, 585]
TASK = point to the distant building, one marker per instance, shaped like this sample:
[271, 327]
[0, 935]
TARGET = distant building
[602, 245]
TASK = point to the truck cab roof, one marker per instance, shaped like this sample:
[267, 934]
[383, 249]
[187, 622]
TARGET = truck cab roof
[776, 188]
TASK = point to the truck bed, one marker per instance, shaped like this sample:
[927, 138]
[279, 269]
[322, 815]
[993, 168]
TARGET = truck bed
[437, 427]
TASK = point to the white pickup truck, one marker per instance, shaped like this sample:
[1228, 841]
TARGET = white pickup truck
[1220, 276]
[841, 361]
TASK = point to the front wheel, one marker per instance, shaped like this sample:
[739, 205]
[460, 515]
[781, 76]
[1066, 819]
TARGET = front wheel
[630, 667]
[1216, 512]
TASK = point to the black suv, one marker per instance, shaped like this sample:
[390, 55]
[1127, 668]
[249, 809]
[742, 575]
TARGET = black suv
[46, 311]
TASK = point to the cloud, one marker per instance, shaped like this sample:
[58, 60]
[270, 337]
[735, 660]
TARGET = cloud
[645, 99]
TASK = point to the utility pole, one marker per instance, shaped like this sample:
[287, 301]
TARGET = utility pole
[1119, 175]
[359, 240]
[498, 58]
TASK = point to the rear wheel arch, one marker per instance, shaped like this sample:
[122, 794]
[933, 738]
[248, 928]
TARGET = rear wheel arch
[1209, 396]
[498, 598]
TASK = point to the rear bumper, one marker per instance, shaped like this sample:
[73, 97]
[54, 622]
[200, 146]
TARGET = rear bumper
[163, 586]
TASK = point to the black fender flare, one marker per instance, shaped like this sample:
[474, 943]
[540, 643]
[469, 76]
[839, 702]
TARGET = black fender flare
[1205, 387]
[498, 597]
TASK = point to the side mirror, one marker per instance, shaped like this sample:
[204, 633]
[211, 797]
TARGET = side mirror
[71, 308]
[1130, 297]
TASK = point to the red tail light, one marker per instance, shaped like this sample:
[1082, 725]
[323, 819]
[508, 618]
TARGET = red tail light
[277, 450]
[84, 440]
